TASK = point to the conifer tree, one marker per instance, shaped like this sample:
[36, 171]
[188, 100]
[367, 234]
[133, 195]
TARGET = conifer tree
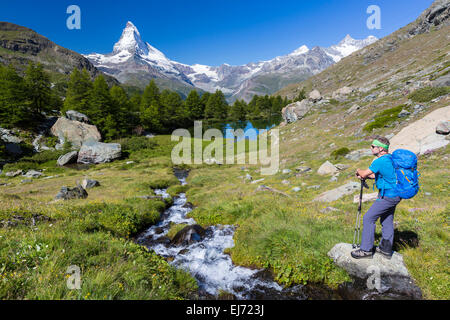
[194, 106]
[78, 92]
[38, 86]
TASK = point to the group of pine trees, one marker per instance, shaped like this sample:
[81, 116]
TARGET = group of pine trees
[25, 100]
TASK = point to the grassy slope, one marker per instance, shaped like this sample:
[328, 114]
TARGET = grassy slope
[93, 234]
[291, 236]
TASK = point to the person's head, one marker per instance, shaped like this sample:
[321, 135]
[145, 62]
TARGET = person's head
[380, 146]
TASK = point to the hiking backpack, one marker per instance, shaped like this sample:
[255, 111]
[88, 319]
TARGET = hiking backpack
[405, 165]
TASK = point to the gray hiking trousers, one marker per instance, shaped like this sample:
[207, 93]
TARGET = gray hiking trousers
[384, 209]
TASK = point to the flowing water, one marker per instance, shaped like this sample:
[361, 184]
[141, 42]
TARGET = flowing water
[214, 270]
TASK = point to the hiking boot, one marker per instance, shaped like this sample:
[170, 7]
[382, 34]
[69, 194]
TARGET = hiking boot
[385, 248]
[361, 254]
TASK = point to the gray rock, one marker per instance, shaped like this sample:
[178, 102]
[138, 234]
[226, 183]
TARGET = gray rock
[71, 193]
[370, 98]
[366, 197]
[443, 127]
[68, 158]
[26, 181]
[13, 174]
[189, 235]
[89, 183]
[327, 168]
[315, 96]
[33, 174]
[342, 167]
[286, 171]
[7, 136]
[302, 169]
[75, 131]
[296, 111]
[315, 187]
[248, 177]
[329, 209]
[296, 189]
[93, 152]
[359, 154]
[404, 113]
[353, 109]
[443, 81]
[335, 194]
[392, 273]
[77, 116]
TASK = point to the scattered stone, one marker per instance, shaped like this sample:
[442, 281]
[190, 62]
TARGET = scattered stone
[70, 157]
[89, 183]
[353, 109]
[359, 154]
[443, 127]
[33, 174]
[296, 189]
[316, 187]
[285, 182]
[344, 91]
[296, 111]
[315, 96]
[329, 209]
[258, 181]
[67, 193]
[327, 168]
[393, 273]
[77, 116]
[266, 188]
[13, 174]
[335, 194]
[366, 197]
[129, 162]
[286, 171]
[333, 179]
[342, 167]
[248, 177]
[404, 113]
[93, 152]
[26, 181]
[189, 235]
[370, 98]
[7, 136]
[302, 169]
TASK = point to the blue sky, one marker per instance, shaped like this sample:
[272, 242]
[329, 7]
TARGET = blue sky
[215, 31]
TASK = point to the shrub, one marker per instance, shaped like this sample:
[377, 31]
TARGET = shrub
[428, 94]
[137, 143]
[341, 152]
[384, 118]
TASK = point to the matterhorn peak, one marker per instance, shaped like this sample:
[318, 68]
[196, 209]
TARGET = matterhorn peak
[131, 41]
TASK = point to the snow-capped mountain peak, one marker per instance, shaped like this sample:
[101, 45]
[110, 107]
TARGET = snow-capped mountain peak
[347, 46]
[303, 49]
[131, 41]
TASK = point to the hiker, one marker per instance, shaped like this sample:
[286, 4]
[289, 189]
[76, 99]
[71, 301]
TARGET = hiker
[382, 170]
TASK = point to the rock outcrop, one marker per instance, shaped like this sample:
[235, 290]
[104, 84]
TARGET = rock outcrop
[421, 136]
[74, 131]
[381, 274]
[327, 168]
[67, 193]
[68, 158]
[93, 152]
[296, 111]
[335, 194]
[77, 116]
[89, 183]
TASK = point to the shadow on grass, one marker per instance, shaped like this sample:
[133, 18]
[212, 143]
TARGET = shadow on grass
[402, 239]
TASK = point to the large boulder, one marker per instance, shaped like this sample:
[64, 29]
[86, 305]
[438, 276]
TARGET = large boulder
[68, 158]
[93, 152]
[33, 174]
[77, 116]
[74, 131]
[315, 96]
[188, 235]
[327, 168]
[67, 193]
[339, 192]
[421, 135]
[296, 111]
[344, 91]
[443, 127]
[381, 274]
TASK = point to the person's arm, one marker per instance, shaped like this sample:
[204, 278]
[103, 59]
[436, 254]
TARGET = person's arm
[365, 174]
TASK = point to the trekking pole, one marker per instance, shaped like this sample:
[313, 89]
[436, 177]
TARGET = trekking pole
[356, 235]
